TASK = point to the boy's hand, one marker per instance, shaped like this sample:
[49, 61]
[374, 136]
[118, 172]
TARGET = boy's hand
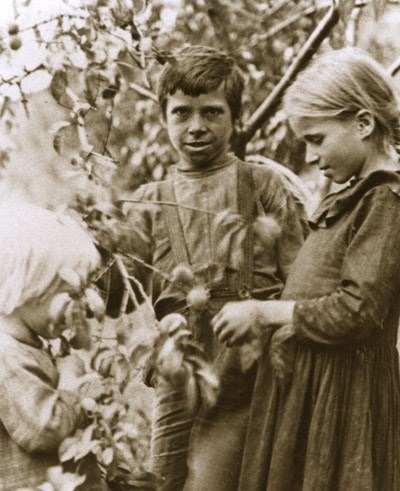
[70, 369]
[238, 322]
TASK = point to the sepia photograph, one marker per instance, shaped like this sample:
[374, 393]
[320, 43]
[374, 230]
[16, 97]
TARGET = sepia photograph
[199, 259]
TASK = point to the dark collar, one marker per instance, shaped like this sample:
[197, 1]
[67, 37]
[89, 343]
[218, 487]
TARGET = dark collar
[336, 204]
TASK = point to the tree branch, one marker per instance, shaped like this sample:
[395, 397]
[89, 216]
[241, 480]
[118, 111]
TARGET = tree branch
[142, 91]
[269, 105]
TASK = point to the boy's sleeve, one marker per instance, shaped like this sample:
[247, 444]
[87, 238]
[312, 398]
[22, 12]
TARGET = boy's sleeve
[370, 278]
[36, 415]
[290, 213]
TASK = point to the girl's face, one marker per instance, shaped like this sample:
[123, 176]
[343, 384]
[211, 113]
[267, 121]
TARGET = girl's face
[338, 147]
[35, 314]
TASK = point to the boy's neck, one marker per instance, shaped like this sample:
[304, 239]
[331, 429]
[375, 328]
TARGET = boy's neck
[216, 163]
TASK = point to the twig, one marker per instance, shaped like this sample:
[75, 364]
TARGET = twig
[148, 266]
[271, 12]
[19, 78]
[168, 203]
[126, 277]
[283, 25]
[268, 106]
[146, 298]
[125, 280]
[46, 21]
[108, 128]
[142, 91]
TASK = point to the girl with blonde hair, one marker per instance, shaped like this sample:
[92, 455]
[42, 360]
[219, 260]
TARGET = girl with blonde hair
[325, 412]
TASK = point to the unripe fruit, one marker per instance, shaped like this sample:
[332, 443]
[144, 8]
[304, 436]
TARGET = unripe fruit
[95, 303]
[15, 43]
[55, 476]
[182, 275]
[88, 404]
[197, 298]
[58, 306]
[13, 29]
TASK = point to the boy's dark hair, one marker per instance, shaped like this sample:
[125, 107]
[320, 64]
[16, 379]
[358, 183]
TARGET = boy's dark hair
[198, 70]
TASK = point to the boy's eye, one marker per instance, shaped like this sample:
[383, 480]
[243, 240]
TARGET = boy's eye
[180, 111]
[212, 111]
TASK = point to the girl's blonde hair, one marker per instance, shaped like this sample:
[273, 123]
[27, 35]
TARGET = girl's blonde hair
[35, 245]
[340, 83]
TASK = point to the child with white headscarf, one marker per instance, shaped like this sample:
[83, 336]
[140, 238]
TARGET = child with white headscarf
[39, 250]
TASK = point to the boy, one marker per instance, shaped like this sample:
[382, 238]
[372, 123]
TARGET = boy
[200, 99]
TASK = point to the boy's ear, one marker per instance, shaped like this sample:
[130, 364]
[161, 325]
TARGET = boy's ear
[365, 123]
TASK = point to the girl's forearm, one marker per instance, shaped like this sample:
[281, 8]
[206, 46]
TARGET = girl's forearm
[277, 312]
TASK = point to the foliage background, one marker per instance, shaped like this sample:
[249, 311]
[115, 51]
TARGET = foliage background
[79, 123]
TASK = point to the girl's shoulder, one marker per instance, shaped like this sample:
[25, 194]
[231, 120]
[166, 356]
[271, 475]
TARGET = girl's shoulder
[384, 183]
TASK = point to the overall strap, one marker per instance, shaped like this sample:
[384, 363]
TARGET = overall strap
[245, 197]
[173, 223]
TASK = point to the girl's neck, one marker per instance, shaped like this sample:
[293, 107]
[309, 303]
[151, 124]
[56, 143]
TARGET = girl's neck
[13, 326]
[380, 160]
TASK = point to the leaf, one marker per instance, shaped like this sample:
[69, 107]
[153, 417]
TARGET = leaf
[69, 447]
[121, 371]
[145, 480]
[59, 125]
[109, 412]
[138, 353]
[57, 143]
[71, 277]
[58, 85]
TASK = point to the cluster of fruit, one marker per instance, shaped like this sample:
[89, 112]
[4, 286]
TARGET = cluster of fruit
[71, 309]
[197, 296]
[179, 359]
[15, 41]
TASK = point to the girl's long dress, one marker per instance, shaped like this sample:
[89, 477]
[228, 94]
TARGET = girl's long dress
[335, 424]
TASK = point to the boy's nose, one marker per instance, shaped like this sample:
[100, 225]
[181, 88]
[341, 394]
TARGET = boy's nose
[196, 124]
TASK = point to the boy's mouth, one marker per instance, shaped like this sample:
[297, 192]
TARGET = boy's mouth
[197, 144]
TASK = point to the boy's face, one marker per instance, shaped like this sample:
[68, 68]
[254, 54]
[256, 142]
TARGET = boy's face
[199, 128]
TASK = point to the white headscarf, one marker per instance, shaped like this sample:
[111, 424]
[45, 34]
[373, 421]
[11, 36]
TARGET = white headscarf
[35, 244]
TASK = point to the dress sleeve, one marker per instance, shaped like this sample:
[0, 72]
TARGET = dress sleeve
[370, 277]
[35, 414]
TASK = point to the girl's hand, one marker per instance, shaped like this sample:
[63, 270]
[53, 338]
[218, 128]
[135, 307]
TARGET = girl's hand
[238, 322]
